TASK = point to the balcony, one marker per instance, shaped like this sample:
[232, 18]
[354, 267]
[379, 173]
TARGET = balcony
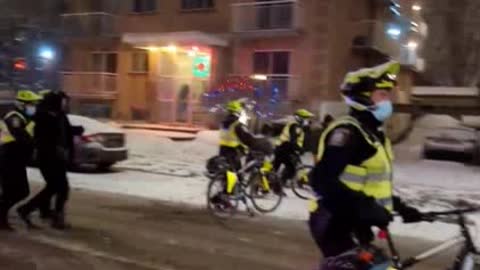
[372, 35]
[409, 57]
[89, 25]
[272, 18]
[90, 85]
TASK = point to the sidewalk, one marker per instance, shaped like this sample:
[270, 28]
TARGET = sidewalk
[160, 127]
[174, 132]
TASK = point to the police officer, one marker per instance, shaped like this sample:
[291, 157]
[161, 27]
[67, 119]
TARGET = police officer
[290, 144]
[53, 139]
[353, 176]
[235, 138]
[16, 152]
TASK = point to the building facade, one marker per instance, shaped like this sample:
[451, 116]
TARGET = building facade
[157, 60]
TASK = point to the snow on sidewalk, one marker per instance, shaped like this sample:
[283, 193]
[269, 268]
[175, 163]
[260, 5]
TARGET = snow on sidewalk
[152, 151]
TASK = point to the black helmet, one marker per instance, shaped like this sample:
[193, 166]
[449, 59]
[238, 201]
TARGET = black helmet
[359, 85]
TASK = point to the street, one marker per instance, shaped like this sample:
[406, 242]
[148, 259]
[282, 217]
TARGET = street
[113, 231]
[130, 112]
[149, 213]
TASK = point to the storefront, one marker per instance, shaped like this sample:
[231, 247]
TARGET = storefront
[182, 66]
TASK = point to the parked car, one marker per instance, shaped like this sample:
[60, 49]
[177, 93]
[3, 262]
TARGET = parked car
[100, 144]
[456, 144]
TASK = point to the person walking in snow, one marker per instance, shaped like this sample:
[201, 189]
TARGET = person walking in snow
[53, 138]
[15, 153]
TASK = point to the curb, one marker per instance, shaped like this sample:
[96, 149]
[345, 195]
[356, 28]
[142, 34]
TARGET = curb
[161, 128]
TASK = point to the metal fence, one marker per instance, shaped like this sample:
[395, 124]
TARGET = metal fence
[90, 84]
[271, 15]
[89, 24]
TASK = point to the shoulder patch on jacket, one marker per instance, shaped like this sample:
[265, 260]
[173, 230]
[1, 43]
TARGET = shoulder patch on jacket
[16, 122]
[298, 130]
[339, 137]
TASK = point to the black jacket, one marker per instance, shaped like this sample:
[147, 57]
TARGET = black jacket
[52, 132]
[343, 146]
[292, 145]
[22, 147]
[245, 136]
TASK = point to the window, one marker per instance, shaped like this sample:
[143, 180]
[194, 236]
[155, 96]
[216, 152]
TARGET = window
[261, 62]
[144, 6]
[281, 62]
[277, 62]
[275, 16]
[139, 62]
[197, 4]
[104, 62]
[277, 65]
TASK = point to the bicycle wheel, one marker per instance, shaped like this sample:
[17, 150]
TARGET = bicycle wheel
[219, 203]
[300, 184]
[265, 194]
[470, 261]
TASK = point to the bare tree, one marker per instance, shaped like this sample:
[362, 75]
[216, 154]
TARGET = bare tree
[452, 50]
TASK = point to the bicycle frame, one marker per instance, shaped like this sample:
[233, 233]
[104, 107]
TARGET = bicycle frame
[464, 239]
[399, 264]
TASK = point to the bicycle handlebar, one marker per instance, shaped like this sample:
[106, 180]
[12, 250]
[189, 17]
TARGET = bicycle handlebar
[455, 212]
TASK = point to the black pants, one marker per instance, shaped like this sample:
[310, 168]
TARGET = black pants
[14, 182]
[334, 235]
[55, 174]
[233, 157]
[285, 157]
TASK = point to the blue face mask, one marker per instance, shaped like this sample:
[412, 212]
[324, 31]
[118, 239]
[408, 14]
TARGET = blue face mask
[30, 110]
[383, 110]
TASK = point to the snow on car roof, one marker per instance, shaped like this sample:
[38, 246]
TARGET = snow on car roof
[92, 126]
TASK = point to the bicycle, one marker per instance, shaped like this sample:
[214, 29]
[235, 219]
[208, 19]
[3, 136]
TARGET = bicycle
[467, 259]
[249, 183]
[300, 182]
[371, 257]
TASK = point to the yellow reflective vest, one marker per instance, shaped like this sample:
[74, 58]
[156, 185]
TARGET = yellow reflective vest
[285, 135]
[5, 134]
[228, 136]
[374, 176]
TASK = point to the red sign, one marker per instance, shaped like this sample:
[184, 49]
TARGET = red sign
[19, 64]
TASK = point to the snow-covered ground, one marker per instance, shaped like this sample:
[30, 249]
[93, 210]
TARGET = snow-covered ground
[162, 169]
[433, 185]
[153, 151]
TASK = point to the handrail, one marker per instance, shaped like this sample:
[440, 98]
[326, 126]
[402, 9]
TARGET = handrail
[287, 76]
[86, 14]
[87, 73]
[265, 3]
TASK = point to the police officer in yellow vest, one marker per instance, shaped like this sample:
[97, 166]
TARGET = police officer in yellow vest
[15, 152]
[290, 144]
[235, 138]
[353, 176]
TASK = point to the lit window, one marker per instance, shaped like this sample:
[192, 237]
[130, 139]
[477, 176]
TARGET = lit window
[139, 62]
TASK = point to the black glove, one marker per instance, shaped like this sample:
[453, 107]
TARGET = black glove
[77, 130]
[411, 215]
[375, 215]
